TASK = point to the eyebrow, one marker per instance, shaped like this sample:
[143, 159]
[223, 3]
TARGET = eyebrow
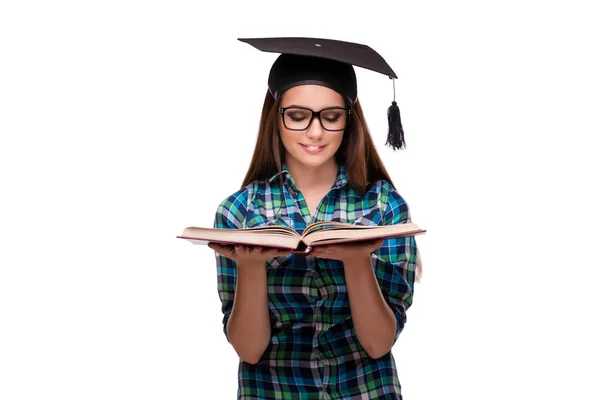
[296, 105]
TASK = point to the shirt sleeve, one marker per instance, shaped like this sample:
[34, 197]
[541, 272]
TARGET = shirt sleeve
[230, 215]
[394, 262]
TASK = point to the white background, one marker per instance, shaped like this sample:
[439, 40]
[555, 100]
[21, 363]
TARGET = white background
[123, 122]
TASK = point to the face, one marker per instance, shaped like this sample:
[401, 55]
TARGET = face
[314, 146]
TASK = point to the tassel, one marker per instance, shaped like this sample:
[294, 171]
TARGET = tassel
[395, 137]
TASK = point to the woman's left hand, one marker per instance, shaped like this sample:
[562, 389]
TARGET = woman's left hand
[347, 251]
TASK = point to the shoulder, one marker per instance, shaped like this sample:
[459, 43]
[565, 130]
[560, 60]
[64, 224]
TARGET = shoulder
[232, 209]
[235, 207]
[394, 206]
[385, 190]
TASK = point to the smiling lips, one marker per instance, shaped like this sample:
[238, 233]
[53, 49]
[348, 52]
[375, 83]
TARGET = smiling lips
[312, 148]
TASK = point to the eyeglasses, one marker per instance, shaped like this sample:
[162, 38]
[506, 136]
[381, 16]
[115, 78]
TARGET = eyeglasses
[300, 118]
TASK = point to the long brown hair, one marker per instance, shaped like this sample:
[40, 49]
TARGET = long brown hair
[357, 153]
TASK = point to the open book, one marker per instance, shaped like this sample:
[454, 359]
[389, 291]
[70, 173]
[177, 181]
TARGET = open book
[319, 233]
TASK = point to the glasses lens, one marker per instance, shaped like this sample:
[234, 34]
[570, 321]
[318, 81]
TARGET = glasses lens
[334, 119]
[297, 118]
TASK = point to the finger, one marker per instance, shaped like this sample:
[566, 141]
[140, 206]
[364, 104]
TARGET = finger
[377, 243]
[320, 249]
[372, 247]
[273, 252]
[322, 256]
[225, 250]
[319, 253]
[369, 243]
[330, 249]
[219, 248]
[239, 249]
[256, 250]
[323, 249]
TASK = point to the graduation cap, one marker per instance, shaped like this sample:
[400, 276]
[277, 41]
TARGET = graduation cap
[327, 63]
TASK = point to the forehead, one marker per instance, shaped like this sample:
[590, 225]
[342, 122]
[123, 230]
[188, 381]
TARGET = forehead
[311, 96]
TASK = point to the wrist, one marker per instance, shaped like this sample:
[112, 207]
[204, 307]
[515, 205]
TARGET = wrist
[251, 264]
[357, 262]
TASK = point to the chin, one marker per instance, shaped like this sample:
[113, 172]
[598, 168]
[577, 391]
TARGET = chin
[314, 161]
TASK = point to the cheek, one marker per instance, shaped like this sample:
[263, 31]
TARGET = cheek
[286, 138]
[338, 141]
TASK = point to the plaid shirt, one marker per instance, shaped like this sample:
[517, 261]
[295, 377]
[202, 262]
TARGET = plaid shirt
[314, 352]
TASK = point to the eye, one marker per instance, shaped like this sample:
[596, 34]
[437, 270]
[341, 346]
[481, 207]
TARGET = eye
[333, 116]
[297, 116]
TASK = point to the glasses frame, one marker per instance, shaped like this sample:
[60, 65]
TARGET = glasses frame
[314, 114]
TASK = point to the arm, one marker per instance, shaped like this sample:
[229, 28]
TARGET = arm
[249, 327]
[242, 286]
[394, 263]
[374, 320]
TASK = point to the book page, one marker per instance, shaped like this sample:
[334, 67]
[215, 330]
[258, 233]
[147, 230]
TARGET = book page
[353, 233]
[263, 241]
[328, 225]
[272, 236]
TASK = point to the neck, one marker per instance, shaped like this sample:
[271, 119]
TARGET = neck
[309, 178]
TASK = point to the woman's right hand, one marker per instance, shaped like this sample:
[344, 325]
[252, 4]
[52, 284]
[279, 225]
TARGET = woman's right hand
[248, 254]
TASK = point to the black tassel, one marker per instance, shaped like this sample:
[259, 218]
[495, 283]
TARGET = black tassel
[395, 138]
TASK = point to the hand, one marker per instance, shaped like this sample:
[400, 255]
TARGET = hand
[248, 254]
[347, 251]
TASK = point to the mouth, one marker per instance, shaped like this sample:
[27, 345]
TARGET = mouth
[312, 148]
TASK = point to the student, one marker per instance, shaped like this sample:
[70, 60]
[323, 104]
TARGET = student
[320, 325]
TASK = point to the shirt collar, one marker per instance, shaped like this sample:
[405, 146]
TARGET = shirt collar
[284, 171]
[340, 180]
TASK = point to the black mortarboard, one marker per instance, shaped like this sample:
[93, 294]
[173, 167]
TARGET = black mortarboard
[328, 63]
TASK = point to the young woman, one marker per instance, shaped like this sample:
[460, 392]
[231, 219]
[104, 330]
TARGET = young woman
[322, 325]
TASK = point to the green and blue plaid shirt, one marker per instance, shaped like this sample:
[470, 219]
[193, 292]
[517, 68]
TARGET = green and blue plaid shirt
[314, 352]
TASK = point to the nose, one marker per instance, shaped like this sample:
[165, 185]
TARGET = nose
[315, 130]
